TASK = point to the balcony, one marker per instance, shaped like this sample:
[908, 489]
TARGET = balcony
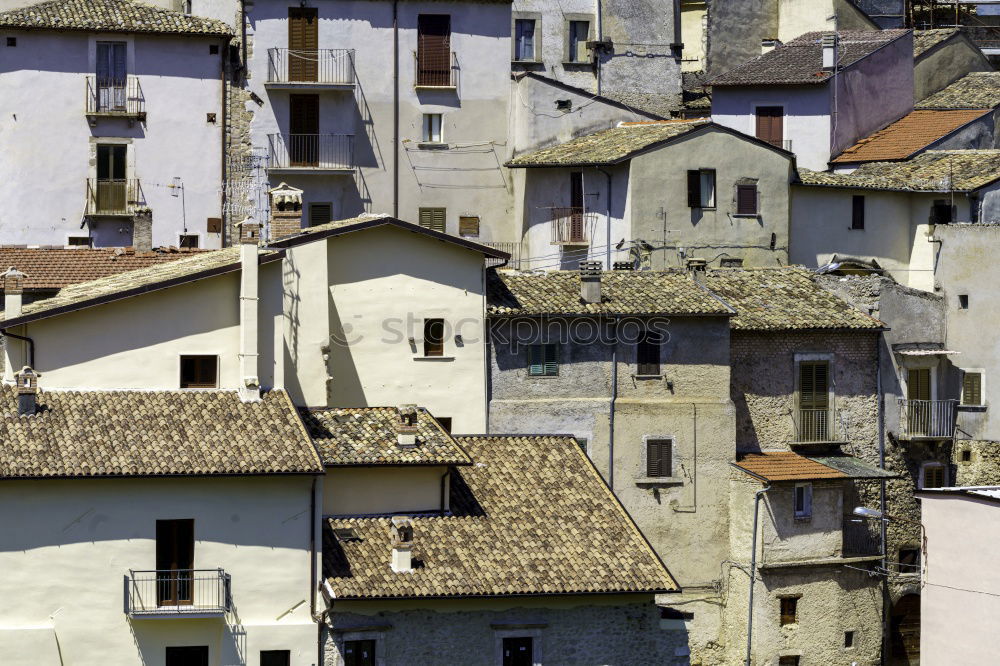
[571, 225]
[114, 197]
[331, 69]
[115, 99]
[311, 153]
[185, 593]
[435, 69]
[927, 419]
[861, 537]
[817, 426]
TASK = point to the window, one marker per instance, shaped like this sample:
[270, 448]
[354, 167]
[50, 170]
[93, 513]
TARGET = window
[918, 384]
[789, 660]
[972, 387]
[196, 655]
[199, 371]
[445, 422]
[789, 611]
[79, 241]
[12, 41]
[933, 475]
[543, 361]
[433, 337]
[174, 562]
[731, 262]
[189, 241]
[659, 458]
[770, 124]
[524, 39]
[858, 211]
[517, 651]
[909, 560]
[814, 401]
[848, 639]
[112, 74]
[320, 213]
[303, 125]
[941, 212]
[584, 444]
[578, 33]
[468, 226]
[303, 39]
[803, 500]
[275, 657]
[359, 653]
[746, 199]
[701, 188]
[434, 50]
[966, 455]
[564, 105]
[647, 354]
[963, 301]
[433, 218]
[432, 128]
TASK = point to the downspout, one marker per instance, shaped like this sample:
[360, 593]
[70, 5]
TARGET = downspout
[224, 52]
[881, 499]
[611, 412]
[607, 257]
[753, 569]
[597, 55]
[31, 347]
[395, 108]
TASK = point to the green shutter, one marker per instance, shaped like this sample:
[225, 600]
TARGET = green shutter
[543, 361]
[972, 388]
[536, 362]
[814, 385]
[551, 362]
[433, 218]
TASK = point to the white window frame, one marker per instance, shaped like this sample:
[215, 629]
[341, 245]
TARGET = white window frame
[672, 478]
[427, 133]
[807, 495]
[932, 463]
[982, 387]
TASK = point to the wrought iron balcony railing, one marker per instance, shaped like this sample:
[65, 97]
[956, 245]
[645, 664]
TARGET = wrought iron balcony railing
[177, 592]
[861, 537]
[113, 196]
[932, 419]
[571, 225]
[333, 67]
[333, 152]
[115, 97]
[816, 425]
[435, 69]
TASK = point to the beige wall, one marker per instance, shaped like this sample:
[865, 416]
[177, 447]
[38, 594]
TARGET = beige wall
[791, 539]
[65, 563]
[388, 489]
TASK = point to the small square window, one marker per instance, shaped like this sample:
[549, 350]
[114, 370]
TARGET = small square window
[79, 241]
[433, 218]
[320, 213]
[746, 200]
[189, 241]
[210, 117]
[803, 500]
[468, 226]
[359, 653]
[584, 444]
[934, 475]
[524, 39]
[909, 560]
[433, 337]
[848, 639]
[564, 105]
[432, 128]
[789, 660]
[789, 611]
[659, 458]
[12, 41]
[275, 658]
[963, 301]
[966, 455]
[199, 371]
[543, 361]
[731, 262]
[213, 49]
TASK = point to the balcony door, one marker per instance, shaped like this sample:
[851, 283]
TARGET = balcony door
[174, 562]
[814, 401]
[303, 147]
[576, 230]
[112, 185]
[918, 391]
[303, 44]
[111, 76]
[434, 50]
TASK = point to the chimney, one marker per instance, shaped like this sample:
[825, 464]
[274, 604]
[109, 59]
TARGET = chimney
[249, 237]
[590, 281]
[27, 391]
[829, 44]
[695, 264]
[286, 211]
[406, 426]
[768, 45]
[13, 290]
[142, 230]
[401, 532]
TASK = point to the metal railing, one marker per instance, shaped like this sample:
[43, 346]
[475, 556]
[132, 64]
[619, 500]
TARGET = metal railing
[311, 151]
[435, 69]
[816, 425]
[513, 248]
[115, 97]
[177, 592]
[333, 66]
[570, 225]
[927, 418]
[861, 537]
[113, 196]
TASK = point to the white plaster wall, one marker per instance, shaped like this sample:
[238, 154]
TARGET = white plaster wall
[551, 30]
[807, 121]
[65, 563]
[353, 491]
[46, 138]
[960, 595]
[788, 539]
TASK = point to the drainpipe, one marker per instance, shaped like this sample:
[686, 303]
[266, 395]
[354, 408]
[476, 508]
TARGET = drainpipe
[31, 347]
[753, 569]
[611, 412]
[597, 55]
[607, 216]
[395, 108]
[224, 52]
[881, 498]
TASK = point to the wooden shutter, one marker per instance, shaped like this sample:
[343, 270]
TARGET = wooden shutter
[303, 44]
[468, 225]
[934, 476]
[694, 189]
[918, 384]
[746, 199]
[433, 218]
[433, 50]
[814, 385]
[320, 213]
[972, 388]
[433, 337]
[770, 124]
[659, 457]
[648, 354]
[858, 212]
[789, 606]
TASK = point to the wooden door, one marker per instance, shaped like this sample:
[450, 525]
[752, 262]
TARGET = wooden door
[576, 227]
[905, 631]
[770, 124]
[434, 50]
[303, 147]
[175, 562]
[303, 44]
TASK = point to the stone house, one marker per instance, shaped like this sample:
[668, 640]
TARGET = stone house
[97, 150]
[655, 194]
[942, 56]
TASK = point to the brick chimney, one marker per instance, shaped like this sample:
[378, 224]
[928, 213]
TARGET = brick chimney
[406, 426]
[249, 238]
[142, 230]
[401, 533]
[27, 391]
[590, 281]
[286, 210]
[829, 43]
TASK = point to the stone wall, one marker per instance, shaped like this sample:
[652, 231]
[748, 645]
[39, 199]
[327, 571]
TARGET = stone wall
[239, 115]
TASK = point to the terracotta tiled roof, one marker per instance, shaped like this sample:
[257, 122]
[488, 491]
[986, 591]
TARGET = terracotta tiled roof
[925, 40]
[929, 171]
[109, 16]
[800, 61]
[530, 517]
[791, 466]
[513, 294]
[608, 146]
[153, 433]
[367, 436]
[55, 268]
[976, 90]
[908, 135]
[777, 299]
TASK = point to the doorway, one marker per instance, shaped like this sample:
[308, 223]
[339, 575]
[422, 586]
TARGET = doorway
[904, 631]
[112, 73]
[174, 562]
[303, 149]
[112, 186]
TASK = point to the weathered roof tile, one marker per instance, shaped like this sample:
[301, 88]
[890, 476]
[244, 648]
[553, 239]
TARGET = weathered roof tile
[110, 16]
[976, 90]
[930, 171]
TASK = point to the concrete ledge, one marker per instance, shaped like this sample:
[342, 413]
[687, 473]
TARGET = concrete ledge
[825, 562]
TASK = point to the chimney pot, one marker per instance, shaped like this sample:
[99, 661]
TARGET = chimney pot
[406, 426]
[401, 533]
[830, 45]
[249, 232]
[27, 391]
[13, 282]
[590, 281]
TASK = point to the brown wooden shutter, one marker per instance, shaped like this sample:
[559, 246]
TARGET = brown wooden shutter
[468, 225]
[320, 213]
[658, 457]
[972, 388]
[303, 43]
[918, 384]
[694, 189]
[934, 476]
[814, 385]
[746, 199]
[434, 50]
[433, 218]
[770, 124]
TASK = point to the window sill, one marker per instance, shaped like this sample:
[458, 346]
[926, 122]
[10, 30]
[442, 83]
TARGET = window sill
[746, 215]
[433, 358]
[972, 408]
[432, 145]
[659, 481]
[526, 63]
[803, 519]
[702, 208]
[578, 65]
[645, 377]
[543, 376]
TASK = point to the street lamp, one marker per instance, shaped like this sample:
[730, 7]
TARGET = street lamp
[865, 512]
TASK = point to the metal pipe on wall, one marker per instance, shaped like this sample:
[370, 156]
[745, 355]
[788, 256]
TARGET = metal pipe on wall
[753, 570]
[395, 108]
